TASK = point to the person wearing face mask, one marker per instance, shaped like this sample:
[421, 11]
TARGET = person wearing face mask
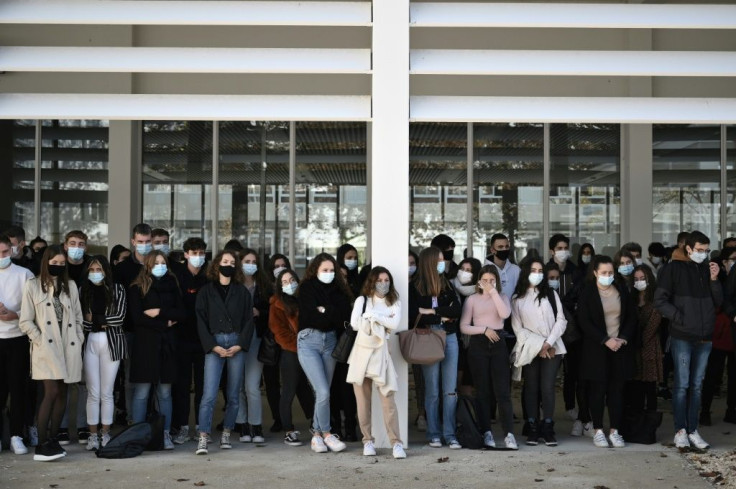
[625, 262]
[283, 321]
[655, 259]
[347, 255]
[585, 256]
[413, 259]
[20, 254]
[642, 390]
[607, 319]
[103, 308]
[464, 284]
[14, 354]
[118, 253]
[250, 411]
[559, 249]
[156, 308]
[421, 420]
[191, 276]
[226, 329]
[75, 246]
[376, 314]
[160, 241]
[277, 264]
[538, 325]
[500, 252]
[688, 294]
[324, 307]
[38, 245]
[434, 304]
[635, 250]
[447, 245]
[51, 317]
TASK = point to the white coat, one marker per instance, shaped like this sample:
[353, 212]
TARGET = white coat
[56, 353]
[370, 356]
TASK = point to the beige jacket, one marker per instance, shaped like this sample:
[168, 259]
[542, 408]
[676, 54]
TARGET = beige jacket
[56, 353]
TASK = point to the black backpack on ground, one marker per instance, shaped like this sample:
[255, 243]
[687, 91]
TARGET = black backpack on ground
[641, 427]
[128, 443]
[468, 433]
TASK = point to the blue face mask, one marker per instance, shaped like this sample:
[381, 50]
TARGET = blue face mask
[626, 270]
[143, 249]
[250, 268]
[96, 277]
[163, 248]
[326, 277]
[351, 264]
[441, 267]
[605, 281]
[75, 253]
[289, 289]
[196, 261]
[159, 270]
[5, 262]
[555, 284]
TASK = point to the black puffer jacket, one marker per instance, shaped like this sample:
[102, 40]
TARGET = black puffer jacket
[688, 298]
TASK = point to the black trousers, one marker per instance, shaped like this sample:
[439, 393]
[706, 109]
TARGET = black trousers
[293, 384]
[539, 382]
[717, 363]
[342, 398]
[489, 364]
[190, 365]
[14, 373]
[574, 388]
[272, 381]
[610, 393]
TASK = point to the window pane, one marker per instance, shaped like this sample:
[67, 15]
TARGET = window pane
[330, 188]
[508, 175]
[585, 196]
[686, 181]
[177, 178]
[438, 183]
[74, 180]
[17, 154]
[731, 179]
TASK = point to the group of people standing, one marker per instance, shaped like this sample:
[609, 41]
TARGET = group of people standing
[171, 324]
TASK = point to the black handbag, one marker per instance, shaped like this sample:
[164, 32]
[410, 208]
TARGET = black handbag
[345, 343]
[269, 352]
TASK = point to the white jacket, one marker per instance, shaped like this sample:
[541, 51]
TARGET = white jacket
[370, 356]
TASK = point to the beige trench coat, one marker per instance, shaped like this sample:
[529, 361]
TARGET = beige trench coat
[56, 353]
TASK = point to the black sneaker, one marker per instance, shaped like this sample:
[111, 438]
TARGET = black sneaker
[548, 433]
[83, 436]
[48, 451]
[705, 418]
[257, 433]
[292, 439]
[63, 437]
[533, 436]
[55, 443]
[664, 393]
[276, 427]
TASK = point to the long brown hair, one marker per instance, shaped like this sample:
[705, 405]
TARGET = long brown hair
[427, 280]
[87, 288]
[61, 284]
[493, 271]
[370, 284]
[145, 278]
[651, 282]
[213, 272]
[291, 305]
[260, 277]
[313, 267]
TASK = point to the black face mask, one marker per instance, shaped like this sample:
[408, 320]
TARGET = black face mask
[227, 271]
[448, 255]
[503, 255]
[56, 270]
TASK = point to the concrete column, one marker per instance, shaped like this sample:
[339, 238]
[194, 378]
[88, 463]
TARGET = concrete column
[389, 178]
[124, 178]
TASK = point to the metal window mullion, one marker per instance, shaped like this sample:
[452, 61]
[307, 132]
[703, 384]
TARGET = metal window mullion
[547, 163]
[470, 150]
[724, 183]
[37, 179]
[292, 193]
[214, 192]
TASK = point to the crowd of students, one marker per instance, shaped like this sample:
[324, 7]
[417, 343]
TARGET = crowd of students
[134, 333]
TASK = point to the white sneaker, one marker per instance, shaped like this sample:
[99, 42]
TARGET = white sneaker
[334, 443]
[588, 429]
[421, 424]
[105, 439]
[399, 451]
[33, 436]
[202, 445]
[93, 442]
[435, 443]
[183, 436]
[599, 439]
[617, 441]
[318, 444]
[510, 442]
[488, 440]
[369, 450]
[577, 428]
[168, 444]
[697, 440]
[454, 444]
[681, 439]
[225, 441]
[572, 414]
[16, 443]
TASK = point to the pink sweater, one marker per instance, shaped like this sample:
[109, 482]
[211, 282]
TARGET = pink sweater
[483, 312]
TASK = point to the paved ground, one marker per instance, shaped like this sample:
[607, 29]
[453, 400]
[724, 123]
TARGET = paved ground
[575, 463]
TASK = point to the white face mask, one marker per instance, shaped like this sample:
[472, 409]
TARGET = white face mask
[412, 270]
[640, 285]
[586, 258]
[562, 255]
[326, 277]
[464, 277]
[278, 270]
[535, 278]
[698, 257]
[656, 260]
[14, 250]
[638, 261]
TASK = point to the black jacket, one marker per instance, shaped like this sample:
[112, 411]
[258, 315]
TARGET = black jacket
[688, 298]
[124, 273]
[313, 294]
[189, 285]
[598, 361]
[261, 301]
[448, 306]
[233, 315]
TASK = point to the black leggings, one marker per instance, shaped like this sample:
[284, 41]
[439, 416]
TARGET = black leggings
[293, 383]
[51, 409]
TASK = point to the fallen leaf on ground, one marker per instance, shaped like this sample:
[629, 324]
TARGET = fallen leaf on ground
[182, 480]
[710, 474]
[600, 487]
[200, 484]
[442, 460]
[53, 485]
[663, 455]
[550, 470]
[538, 480]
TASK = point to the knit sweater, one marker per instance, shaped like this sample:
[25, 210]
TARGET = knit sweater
[482, 311]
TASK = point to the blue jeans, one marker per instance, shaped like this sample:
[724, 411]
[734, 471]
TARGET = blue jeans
[690, 359]
[314, 348]
[213, 364]
[448, 369]
[140, 402]
[250, 409]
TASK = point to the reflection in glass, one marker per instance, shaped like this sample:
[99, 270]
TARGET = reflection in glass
[731, 180]
[585, 180]
[438, 183]
[686, 181]
[508, 174]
